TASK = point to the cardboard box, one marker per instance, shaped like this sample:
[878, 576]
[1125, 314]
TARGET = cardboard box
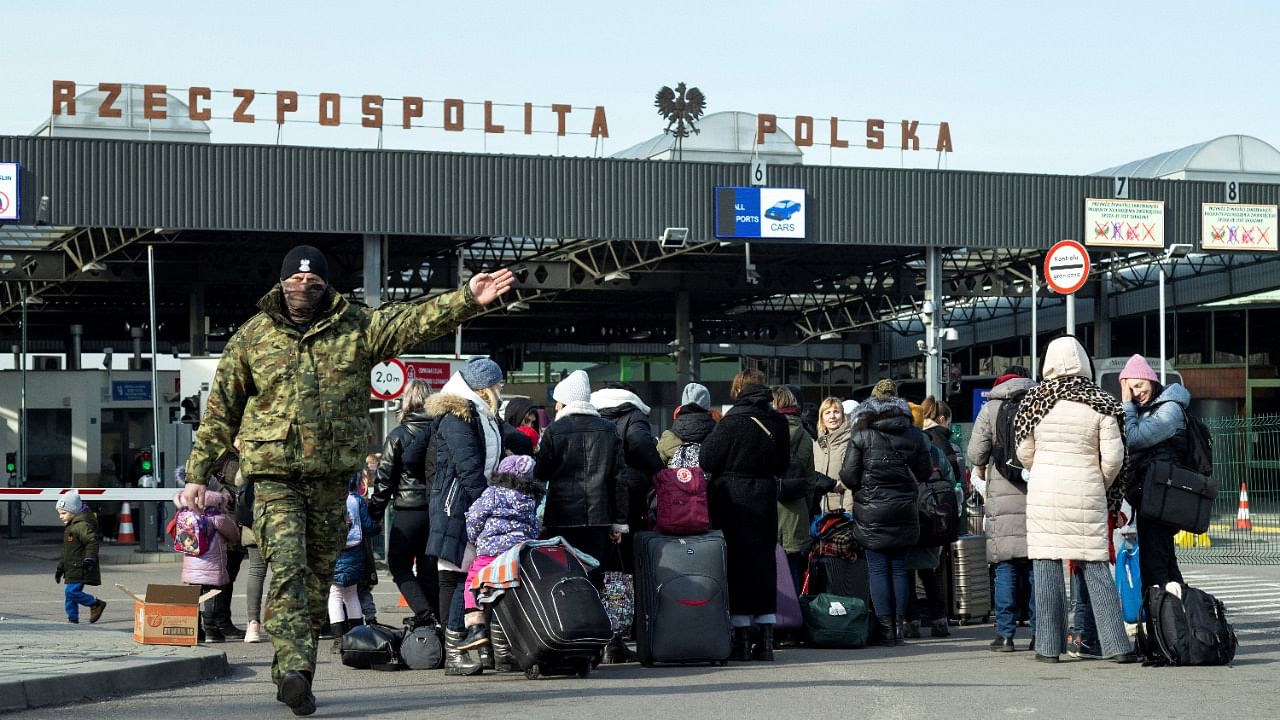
[167, 614]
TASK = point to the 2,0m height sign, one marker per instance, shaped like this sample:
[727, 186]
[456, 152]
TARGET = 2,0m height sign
[1066, 267]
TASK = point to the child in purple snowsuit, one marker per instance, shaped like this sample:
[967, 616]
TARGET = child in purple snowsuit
[505, 515]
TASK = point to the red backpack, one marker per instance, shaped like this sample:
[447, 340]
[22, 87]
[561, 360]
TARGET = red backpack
[680, 492]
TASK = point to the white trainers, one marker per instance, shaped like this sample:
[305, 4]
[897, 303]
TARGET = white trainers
[253, 632]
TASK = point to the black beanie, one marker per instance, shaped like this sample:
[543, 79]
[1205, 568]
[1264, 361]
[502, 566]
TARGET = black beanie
[305, 259]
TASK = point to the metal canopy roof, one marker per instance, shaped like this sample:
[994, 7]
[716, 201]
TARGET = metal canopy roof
[222, 216]
[1241, 156]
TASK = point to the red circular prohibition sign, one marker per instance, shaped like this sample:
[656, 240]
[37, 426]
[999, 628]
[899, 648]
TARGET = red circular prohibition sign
[1066, 267]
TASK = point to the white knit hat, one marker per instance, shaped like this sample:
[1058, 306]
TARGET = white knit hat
[575, 388]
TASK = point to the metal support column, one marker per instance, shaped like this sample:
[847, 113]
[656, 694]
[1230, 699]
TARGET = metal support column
[684, 340]
[932, 318]
[1102, 318]
[197, 341]
[373, 270]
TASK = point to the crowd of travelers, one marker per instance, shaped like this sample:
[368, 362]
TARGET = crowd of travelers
[465, 476]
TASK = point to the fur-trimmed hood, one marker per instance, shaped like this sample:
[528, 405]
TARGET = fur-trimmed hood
[458, 399]
[873, 410]
[527, 486]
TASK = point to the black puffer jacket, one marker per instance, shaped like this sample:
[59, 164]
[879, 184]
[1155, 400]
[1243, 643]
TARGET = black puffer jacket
[401, 477]
[580, 458]
[640, 449]
[886, 460]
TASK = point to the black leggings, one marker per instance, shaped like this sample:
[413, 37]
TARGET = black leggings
[408, 543]
[1157, 559]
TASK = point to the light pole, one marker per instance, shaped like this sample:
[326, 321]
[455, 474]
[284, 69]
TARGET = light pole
[1173, 252]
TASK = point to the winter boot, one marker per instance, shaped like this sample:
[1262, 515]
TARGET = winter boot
[911, 629]
[887, 631]
[741, 651]
[212, 633]
[458, 661]
[940, 628]
[501, 649]
[294, 690]
[763, 649]
[617, 652]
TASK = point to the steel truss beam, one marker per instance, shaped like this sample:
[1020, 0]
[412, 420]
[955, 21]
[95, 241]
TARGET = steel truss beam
[82, 247]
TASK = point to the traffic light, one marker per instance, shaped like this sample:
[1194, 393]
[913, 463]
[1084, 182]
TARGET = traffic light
[11, 463]
[146, 461]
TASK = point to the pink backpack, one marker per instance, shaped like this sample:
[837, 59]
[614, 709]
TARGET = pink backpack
[681, 494]
[192, 532]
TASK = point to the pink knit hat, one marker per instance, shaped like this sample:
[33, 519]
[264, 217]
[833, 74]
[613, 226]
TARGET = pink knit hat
[1138, 369]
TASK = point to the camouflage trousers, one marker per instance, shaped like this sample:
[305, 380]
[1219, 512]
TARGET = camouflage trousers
[301, 527]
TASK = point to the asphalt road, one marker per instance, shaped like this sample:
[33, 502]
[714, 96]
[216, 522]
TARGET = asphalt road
[956, 677]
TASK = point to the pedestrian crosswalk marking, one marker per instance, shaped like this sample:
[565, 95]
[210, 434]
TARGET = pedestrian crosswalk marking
[1249, 602]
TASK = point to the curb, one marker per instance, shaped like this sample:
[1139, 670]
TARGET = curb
[137, 674]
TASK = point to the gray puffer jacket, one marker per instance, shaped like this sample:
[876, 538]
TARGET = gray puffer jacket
[1006, 499]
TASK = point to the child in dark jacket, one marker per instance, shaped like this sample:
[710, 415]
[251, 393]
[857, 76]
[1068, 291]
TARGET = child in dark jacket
[345, 611]
[79, 563]
[505, 515]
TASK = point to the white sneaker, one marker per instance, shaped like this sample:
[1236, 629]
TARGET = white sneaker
[253, 632]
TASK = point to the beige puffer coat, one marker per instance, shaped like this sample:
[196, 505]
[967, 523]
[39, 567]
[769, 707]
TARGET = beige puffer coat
[828, 456]
[1074, 454]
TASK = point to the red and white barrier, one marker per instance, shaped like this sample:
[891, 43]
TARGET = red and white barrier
[30, 494]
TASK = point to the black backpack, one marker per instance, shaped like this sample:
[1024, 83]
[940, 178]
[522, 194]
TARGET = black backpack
[1192, 630]
[1199, 454]
[1004, 447]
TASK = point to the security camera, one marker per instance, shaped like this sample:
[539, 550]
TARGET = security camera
[920, 345]
[949, 334]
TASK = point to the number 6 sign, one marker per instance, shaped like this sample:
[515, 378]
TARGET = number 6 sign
[387, 379]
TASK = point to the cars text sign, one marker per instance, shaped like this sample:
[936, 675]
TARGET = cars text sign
[746, 213]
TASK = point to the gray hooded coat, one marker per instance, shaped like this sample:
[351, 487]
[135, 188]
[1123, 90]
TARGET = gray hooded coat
[1006, 498]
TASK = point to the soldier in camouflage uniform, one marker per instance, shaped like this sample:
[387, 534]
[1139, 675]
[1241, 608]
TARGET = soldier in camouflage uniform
[292, 384]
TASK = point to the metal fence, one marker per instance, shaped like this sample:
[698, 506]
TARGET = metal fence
[1246, 516]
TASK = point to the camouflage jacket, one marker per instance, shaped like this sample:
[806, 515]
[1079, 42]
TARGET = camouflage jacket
[299, 399]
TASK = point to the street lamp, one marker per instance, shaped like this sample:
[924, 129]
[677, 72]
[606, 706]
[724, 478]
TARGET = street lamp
[1171, 253]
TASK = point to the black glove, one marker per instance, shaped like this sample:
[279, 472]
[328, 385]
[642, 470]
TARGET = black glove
[57, 575]
[90, 563]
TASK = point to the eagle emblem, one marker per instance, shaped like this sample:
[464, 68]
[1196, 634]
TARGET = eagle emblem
[682, 107]
[304, 265]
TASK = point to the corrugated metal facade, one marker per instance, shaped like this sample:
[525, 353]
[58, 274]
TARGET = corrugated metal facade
[119, 183]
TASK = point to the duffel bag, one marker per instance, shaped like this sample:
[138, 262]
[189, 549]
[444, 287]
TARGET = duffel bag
[375, 647]
[834, 621]
[422, 648]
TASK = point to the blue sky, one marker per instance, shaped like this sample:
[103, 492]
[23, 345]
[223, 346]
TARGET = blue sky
[1025, 86]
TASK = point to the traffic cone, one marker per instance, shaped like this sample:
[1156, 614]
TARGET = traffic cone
[124, 535]
[403, 603]
[1242, 515]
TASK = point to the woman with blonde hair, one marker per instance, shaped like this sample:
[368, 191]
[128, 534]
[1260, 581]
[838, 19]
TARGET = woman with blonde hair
[828, 450]
[401, 481]
[468, 442]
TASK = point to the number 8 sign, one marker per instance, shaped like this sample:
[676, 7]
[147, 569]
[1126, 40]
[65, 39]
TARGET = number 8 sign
[387, 379]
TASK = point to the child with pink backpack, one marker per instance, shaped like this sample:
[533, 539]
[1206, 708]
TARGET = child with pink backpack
[202, 537]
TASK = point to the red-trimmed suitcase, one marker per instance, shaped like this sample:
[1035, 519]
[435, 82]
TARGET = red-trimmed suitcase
[682, 598]
[554, 619]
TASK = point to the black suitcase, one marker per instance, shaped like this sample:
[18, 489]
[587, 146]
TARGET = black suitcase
[554, 619]
[682, 598]
[838, 576]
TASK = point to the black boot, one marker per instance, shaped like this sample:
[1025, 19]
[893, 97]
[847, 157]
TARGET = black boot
[456, 661]
[764, 646]
[741, 650]
[617, 652]
[887, 631]
[212, 633]
[502, 660]
[334, 630]
[294, 690]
